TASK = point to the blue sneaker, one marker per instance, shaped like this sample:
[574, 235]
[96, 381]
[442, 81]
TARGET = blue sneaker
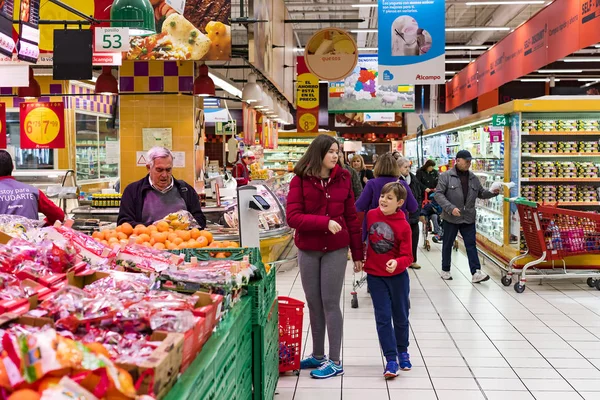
[405, 364]
[312, 362]
[391, 370]
[327, 370]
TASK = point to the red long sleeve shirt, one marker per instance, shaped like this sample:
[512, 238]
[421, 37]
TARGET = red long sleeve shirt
[388, 237]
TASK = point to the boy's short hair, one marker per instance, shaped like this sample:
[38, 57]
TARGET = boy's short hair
[397, 188]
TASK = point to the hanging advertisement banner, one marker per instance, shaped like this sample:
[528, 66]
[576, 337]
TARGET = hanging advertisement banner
[29, 31]
[307, 99]
[362, 92]
[7, 44]
[2, 125]
[42, 125]
[411, 37]
[331, 54]
[201, 32]
[560, 29]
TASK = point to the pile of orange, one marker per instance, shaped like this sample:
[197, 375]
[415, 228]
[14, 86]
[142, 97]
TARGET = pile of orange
[160, 236]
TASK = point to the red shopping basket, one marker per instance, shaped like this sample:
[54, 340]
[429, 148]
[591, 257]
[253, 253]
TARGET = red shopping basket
[291, 313]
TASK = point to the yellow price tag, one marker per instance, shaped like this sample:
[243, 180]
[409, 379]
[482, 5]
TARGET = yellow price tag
[308, 122]
[42, 125]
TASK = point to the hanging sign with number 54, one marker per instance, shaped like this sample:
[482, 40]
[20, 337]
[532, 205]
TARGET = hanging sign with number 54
[111, 40]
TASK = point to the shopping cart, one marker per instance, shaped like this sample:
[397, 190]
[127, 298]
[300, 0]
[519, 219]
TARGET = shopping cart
[357, 283]
[552, 234]
[291, 315]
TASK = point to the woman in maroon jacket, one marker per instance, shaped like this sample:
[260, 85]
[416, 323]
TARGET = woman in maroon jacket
[320, 206]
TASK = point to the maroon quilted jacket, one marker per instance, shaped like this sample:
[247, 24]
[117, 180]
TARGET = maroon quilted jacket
[310, 206]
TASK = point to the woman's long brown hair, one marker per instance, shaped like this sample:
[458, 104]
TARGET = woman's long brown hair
[311, 161]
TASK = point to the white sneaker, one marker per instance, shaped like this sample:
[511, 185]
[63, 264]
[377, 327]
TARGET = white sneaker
[479, 276]
[446, 275]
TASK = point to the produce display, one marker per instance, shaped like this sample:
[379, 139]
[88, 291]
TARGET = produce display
[104, 316]
[164, 235]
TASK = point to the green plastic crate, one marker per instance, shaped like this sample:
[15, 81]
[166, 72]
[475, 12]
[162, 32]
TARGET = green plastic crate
[262, 293]
[244, 387]
[265, 355]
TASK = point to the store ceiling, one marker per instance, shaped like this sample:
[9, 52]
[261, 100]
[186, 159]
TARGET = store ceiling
[458, 15]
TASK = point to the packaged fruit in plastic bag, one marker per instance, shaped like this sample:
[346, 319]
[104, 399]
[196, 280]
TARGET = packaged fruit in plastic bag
[181, 219]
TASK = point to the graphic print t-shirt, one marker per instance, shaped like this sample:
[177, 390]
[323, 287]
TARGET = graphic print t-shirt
[389, 237]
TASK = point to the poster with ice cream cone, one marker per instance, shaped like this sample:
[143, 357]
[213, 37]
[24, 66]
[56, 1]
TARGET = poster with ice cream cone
[331, 54]
[411, 37]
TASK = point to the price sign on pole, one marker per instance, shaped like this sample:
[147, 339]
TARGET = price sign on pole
[110, 40]
[42, 125]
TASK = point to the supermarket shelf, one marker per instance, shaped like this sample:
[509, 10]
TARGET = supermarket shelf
[490, 238]
[543, 155]
[573, 180]
[280, 161]
[573, 133]
[452, 144]
[293, 143]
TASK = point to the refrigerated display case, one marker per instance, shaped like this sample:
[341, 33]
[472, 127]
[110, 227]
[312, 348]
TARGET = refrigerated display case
[549, 150]
[488, 165]
[97, 148]
[291, 146]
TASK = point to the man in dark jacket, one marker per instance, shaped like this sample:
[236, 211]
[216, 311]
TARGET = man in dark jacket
[456, 192]
[158, 194]
[418, 191]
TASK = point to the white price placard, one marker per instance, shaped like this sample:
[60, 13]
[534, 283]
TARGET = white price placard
[111, 40]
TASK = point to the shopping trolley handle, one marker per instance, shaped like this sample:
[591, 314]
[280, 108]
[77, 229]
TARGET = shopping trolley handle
[520, 200]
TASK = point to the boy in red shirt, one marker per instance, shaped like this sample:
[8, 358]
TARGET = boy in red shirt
[389, 254]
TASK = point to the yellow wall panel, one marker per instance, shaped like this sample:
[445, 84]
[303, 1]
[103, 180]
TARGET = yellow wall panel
[156, 111]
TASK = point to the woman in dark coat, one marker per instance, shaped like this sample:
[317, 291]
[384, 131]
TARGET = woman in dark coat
[428, 176]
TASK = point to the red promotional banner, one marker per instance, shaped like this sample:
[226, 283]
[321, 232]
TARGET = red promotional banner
[2, 125]
[307, 99]
[558, 30]
[42, 125]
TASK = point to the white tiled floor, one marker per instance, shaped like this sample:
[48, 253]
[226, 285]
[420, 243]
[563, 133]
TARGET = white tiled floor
[468, 342]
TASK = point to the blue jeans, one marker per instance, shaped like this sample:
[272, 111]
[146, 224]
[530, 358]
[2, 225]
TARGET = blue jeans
[468, 234]
[390, 296]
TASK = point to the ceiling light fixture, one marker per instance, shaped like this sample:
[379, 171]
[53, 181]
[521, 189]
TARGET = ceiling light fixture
[559, 71]
[467, 47]
[538, 80]
[591, 83]
[363, 30]
[478, 28]
[458, 61]
[129, 10]
[203, 84]
[251, 93]
[32, 91]
[588, 79]
[581, 59]
[450, 72]
[106, 83]
[503, 3]
[225, 85]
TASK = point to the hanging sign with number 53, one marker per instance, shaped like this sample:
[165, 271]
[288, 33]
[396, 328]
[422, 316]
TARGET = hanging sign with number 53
[111, 40]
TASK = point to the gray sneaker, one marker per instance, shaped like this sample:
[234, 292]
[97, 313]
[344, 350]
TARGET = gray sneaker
[479, 276]
[446, 275]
